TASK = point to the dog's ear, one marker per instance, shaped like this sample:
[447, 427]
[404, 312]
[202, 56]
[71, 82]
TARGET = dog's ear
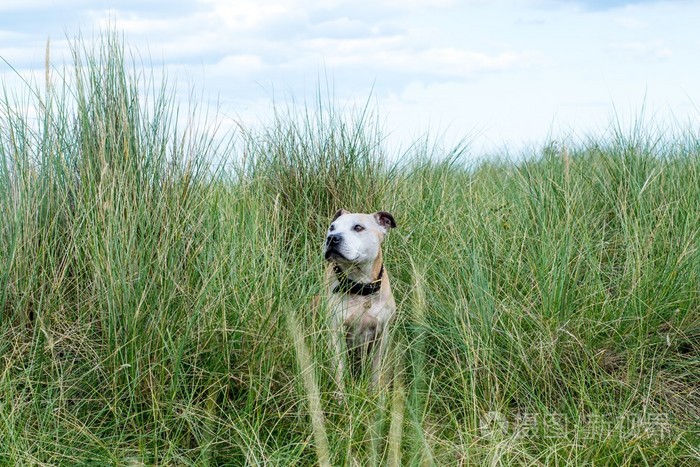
[385, 220]
[339, 213]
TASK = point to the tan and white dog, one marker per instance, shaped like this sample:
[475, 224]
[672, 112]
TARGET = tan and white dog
[359, 295]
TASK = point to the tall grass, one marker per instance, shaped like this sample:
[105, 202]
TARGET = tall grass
[155, 309]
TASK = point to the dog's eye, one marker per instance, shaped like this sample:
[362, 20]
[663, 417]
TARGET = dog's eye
[358, 228]
[331, 228]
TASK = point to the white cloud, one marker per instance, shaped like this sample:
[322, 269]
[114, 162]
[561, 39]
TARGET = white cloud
[632, 23]
[397, 54]
[655, 50]
[247, 14]
[7, 6]
[241, 64]
[460, 62]
[343, 27]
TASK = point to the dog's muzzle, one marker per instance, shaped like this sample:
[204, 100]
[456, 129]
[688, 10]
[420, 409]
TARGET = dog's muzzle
[333, 242]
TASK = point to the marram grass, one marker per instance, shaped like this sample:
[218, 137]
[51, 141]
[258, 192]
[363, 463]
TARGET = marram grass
[154, 305]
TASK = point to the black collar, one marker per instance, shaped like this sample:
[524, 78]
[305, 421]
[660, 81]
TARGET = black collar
[349, 286]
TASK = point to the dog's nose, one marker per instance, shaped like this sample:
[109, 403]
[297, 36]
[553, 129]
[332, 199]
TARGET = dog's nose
[333, 239]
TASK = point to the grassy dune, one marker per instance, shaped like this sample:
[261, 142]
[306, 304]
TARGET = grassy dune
[154, 309]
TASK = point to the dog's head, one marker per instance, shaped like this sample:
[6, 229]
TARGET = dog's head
[355, 237]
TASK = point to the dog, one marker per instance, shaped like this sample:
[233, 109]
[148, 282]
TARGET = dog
[359, 296]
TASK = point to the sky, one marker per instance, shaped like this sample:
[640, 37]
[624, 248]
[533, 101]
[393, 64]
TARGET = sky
[502, 74]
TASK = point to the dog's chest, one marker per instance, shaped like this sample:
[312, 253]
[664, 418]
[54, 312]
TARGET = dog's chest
[351, 310]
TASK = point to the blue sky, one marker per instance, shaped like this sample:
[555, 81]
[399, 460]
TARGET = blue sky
[501, 73]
